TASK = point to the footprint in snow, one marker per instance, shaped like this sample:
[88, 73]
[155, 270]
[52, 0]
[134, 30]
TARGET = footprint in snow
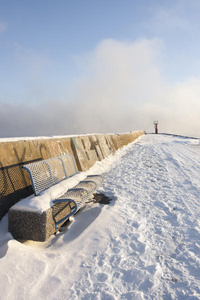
[100, 286]
[115, 260]
[101, 261]
[116, 250]
[132, 295]
[138, 247]
[102, 277]
[135, 225]
[133, 276]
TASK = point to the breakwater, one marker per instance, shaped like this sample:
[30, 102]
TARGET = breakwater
[87, 149]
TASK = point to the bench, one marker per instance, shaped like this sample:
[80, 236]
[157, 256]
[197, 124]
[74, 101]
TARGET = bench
[36, 224]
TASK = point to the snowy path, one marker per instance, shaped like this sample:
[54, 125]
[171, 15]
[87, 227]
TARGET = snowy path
[144, 245]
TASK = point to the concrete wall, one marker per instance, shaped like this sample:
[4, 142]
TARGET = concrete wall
[86, 149]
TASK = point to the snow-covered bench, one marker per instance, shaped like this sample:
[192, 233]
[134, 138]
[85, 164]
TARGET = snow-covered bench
[24, 223]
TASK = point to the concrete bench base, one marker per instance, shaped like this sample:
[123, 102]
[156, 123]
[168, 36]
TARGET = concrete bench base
[28, 225]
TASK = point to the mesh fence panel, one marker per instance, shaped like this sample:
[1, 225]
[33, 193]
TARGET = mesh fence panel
[61, 209]
[12, 178]
[46, 173]
[6, 186]
[75, 194]
[89, 186]
[40, 175]
[69, 164]
[98, 179]
[17, 177]
[57, 170]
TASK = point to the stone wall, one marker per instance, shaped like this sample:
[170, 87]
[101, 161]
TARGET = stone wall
[87, 149]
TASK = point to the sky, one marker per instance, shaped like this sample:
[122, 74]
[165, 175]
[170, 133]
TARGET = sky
[97, 66]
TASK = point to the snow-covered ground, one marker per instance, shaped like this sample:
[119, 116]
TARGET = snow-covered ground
[144, 245]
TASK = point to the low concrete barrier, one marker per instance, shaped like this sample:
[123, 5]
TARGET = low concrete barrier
[87, 149]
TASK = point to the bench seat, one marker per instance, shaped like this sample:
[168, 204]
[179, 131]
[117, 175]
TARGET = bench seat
[40, 225]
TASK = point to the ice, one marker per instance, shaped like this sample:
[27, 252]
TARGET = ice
[144, 245]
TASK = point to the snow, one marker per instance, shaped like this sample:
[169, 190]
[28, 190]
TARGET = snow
[32, 138]
[144, 245]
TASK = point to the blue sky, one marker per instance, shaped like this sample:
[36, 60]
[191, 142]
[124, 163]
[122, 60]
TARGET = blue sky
[99, 65]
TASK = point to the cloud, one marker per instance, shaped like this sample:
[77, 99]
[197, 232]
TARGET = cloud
[122, 88]
[45, 119]
[118, 79]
